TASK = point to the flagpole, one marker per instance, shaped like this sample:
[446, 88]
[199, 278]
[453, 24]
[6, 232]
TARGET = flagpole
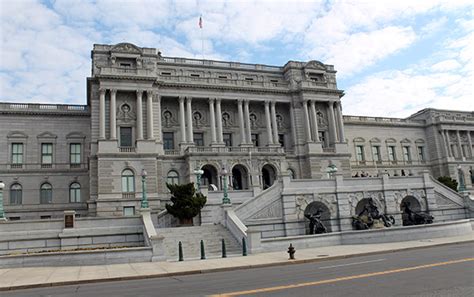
[202, 39]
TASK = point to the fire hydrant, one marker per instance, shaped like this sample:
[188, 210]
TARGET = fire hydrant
[291, 252]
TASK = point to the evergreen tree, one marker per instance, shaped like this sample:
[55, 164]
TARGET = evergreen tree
[186, 201]
[448, 182]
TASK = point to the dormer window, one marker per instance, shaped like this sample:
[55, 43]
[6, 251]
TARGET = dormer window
[316, 76]
[125, 65]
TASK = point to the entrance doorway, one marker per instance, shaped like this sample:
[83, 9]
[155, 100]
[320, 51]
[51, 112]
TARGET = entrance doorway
[268, 176]
[240, 177]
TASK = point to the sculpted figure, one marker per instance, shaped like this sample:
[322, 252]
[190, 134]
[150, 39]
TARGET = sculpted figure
[315, 224]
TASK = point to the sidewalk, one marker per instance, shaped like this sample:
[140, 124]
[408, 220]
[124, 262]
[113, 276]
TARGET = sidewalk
[32, 277]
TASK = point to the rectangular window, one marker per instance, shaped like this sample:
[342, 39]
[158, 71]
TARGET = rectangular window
[17, 153]
[281, 139]
[360, 153]
[406, 153]
[322, 137]
[45, 217]
[46, 153]
[376, 153]
[464, 151]
[391, 153]
[168, 140]
[75, 153]
[254, 139]
[421, 153]
[198, 139]
[125, 136]
[227, 138]
[128, 211]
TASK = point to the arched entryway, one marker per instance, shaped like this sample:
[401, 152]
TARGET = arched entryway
[313, 208]
[268, 176]
[209, 176]
[413, 204]
[240, 177]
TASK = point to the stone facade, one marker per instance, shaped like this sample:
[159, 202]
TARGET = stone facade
[169, 116]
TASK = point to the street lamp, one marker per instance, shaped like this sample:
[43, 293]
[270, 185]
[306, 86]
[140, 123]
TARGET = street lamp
[462, 184]
[2, 213]
[225, 199]
[144, 198]
[331, 169]
[198, 172]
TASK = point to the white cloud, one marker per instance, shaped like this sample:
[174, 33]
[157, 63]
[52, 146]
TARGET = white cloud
[446, 65]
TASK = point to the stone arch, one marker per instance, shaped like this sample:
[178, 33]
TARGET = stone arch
[269, 175]
[361, 204]
[414, 205]
[240, 177]
[325, 214]
[210, 175]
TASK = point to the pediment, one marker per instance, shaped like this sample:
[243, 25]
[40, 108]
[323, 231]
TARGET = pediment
[17, 134]
[405, 140]
[76, 135]
[359, 139]
[126, 48]
[375, 139]
[315, 65]
[419, 140]
[391, 140]
[47, 134]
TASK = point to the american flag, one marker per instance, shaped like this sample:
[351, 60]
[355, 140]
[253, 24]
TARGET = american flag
[200, 22]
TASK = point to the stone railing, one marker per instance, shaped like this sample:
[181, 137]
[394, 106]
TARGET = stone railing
[224, 82]
[380, 120]
[127, 71]
[174, 60]
[202, 149]
[38, 166]
[36, 107]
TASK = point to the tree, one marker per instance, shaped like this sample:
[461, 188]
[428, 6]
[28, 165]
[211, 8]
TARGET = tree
[186, 202]
[448, 182]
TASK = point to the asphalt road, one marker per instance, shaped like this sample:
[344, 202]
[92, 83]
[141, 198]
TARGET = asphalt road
[437, 271]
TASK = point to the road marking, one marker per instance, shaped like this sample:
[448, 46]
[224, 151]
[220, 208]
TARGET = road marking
[327, 281]
[350, 264]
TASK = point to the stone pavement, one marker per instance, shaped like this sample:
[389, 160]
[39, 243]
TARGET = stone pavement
[31, 277]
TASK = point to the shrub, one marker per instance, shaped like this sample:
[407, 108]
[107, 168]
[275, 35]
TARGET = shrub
[186, 202]
[448, 182]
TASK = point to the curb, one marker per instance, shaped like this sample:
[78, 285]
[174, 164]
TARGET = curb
[222, 269]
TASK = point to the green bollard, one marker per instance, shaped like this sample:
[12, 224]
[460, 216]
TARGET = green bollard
[244, 247]
[224, 253]
[203, 253]
[180, 252]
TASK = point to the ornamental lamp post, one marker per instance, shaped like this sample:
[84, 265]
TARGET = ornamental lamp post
[462, 184]
[198, 172]
[225, 199]
[2, 213]
[144, 198]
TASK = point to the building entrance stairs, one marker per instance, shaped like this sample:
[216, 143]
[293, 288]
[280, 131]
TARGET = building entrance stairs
[191, 237]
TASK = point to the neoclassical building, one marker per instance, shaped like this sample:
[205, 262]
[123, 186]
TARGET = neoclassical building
[248, 124]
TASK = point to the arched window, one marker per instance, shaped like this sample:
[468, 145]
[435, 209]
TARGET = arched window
[16, 194]
[46, 193]
[173, 177]
[128, 181]
[75, 192]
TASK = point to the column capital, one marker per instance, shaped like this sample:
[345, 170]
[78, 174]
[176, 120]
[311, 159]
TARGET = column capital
[218, 100]
[102, 90]
[312, 102]
[273, 103]
[266, 102]
[240, 100]
[331, 103]
[181, 99]
[150, 92]
[113, 91]
[139, 92]
[212, 100]
[189, 99]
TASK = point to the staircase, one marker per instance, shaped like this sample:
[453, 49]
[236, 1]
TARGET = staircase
[191, 237]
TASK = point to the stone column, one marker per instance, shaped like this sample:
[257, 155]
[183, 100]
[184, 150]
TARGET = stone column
[212, 118]
[340, 120]
[469, 139]
[220, 138]
[458, 138]
[158, 117]
[139, 115]
[247, 121]
[113, 114]
[269, 122]
[149, 110]
[306, 121]
[314, 119]
[293, 124]
[102, 114]
[274, 122]
[448, 144]
[241, 121]
[332, 123]
[181, 120]
[189, 119]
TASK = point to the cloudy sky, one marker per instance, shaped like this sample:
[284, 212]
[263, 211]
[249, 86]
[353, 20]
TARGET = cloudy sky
[393, 57]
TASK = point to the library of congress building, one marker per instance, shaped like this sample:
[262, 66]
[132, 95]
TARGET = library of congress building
[151, 120]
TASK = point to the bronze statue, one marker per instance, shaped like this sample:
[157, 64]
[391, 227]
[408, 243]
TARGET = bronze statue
[315, 224]
[368, 215]
[415, 218]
